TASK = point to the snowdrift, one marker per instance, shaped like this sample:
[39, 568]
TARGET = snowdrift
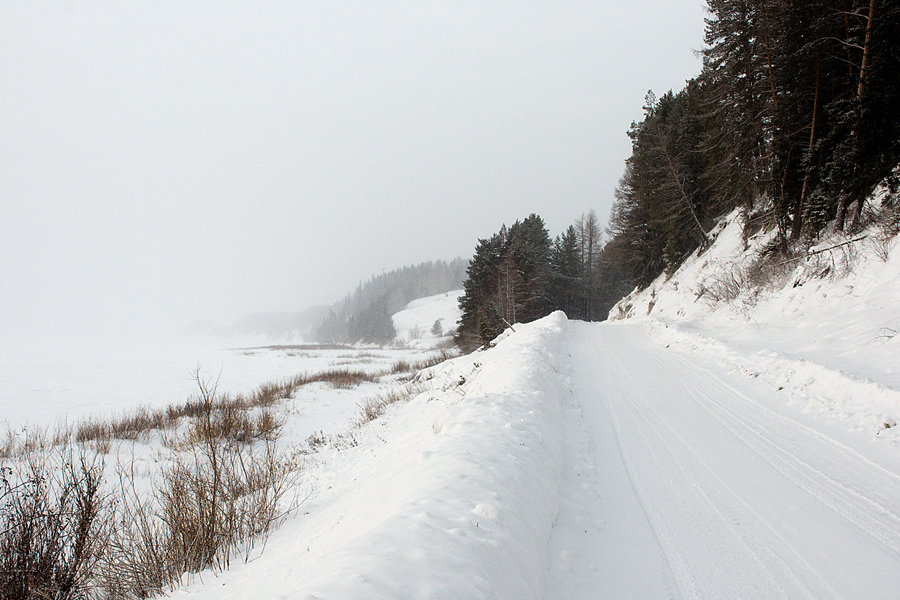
[451, 495]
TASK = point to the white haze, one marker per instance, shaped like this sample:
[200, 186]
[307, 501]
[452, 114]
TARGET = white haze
[163, 162]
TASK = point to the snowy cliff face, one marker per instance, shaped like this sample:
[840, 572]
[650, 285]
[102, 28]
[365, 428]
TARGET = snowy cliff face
[838, 274]
[681, 296]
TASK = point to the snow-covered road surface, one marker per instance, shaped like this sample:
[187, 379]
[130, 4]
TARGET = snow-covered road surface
[683, 481]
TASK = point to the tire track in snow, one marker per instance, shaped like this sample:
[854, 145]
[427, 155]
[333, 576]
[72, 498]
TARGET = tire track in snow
[693, 492]
[742, 501]
[877, 517]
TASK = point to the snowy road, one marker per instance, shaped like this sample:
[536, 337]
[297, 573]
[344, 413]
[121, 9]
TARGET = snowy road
[682, 482]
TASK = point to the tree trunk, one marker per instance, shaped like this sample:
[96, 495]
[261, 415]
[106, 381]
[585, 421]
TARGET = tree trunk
[769, 58]
[857, 215]
[704, 236]
[841, 213]
[846, 201]
[863, 70]
[797, 222]
[847, 37]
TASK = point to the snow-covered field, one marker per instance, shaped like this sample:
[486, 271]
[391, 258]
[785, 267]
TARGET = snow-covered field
[47, 385]
[49, 381]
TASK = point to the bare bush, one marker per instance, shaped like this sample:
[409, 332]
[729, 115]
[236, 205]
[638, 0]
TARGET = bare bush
[769, 269]
[20, 444]
[407, 366]
[138, 562]
[52, 526]
[884, 233]
[138, 424]
[886, 334]
[401, 366]
[222, 491]
[724, 285]
[374, 406]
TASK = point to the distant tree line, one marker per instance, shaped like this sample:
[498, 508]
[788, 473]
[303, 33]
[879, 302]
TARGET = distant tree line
[520, 274]
[365, 315]
[797, 110]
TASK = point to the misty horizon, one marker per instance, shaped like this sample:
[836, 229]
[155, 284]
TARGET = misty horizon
[167, 163]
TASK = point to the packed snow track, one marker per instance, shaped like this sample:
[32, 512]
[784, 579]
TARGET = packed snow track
[683, 481]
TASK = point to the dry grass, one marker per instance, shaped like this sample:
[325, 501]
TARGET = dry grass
[406, 366]
[221, 488]
[20, 444]
[733, 281]
[233, 410]
[374, 406]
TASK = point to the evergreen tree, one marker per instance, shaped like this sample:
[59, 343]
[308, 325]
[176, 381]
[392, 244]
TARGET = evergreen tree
[567, 275]
[508, 281]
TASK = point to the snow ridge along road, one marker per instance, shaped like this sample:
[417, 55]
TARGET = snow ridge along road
[449, 496]
[681, 482]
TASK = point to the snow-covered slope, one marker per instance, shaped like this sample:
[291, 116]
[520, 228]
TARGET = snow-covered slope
[415, 324]
[823, 334]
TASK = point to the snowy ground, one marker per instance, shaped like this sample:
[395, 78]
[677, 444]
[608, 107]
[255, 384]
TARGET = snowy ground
[582, 460]
[43, 382]
[702, 450]
[47, 385]
[694, 450]
[825, 340]
[687, 479]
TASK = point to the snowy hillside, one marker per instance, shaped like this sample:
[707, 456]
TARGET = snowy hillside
[415, 324]
[822, 334]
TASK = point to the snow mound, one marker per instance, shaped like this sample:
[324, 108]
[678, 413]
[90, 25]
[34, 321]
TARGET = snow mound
[451, 495]
[415, 324]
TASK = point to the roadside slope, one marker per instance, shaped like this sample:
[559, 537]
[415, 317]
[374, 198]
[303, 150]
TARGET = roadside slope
[451, 495]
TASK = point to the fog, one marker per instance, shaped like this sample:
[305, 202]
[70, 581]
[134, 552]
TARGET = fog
[163, 162]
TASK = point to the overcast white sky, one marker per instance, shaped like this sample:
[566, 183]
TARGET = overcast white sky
[166, 161]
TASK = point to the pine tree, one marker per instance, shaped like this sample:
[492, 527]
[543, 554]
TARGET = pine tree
[567, 287]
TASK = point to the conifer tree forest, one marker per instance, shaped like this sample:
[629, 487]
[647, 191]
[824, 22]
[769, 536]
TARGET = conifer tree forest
[519, 274]
[795, 117]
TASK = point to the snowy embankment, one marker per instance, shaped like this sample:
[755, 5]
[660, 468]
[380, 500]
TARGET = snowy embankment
[823, 335]
[450, 495]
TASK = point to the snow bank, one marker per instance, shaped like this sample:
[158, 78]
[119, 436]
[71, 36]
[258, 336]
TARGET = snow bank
[826, 339]
[451, 495]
